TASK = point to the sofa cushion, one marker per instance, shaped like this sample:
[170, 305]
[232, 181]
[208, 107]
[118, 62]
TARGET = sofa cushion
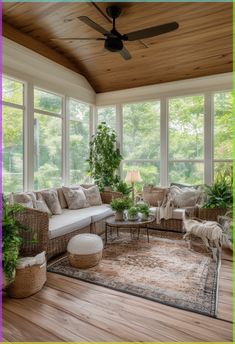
[182, 186]
[67, 222]
[97, 212]
[177, 214]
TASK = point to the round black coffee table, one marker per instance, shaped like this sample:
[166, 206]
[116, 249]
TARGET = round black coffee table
[111, 223]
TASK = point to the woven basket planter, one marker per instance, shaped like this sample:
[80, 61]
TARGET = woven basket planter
[28, 281]
[210, 214]
[85, 261]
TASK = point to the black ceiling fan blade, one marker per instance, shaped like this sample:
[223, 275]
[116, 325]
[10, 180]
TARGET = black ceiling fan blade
[125, 54]
[93, 25]
[77, 39]
[152, 31]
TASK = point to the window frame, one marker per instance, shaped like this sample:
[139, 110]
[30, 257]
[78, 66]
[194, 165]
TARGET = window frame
[67, 139]
[24, 110]
[136, 161]
[202, 161]
[214, 161]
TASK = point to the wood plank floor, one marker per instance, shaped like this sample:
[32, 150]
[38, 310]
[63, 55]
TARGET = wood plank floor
[72, 311]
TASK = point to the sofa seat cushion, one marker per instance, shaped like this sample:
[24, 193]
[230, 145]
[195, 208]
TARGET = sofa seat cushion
[67, 222]
[177, 214]
[97, 212]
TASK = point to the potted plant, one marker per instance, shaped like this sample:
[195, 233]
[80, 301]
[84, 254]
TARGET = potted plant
[133, 214]
[11, 240]
[119, 205]
[123, 187]
[104, 157]
[219, 197]
[144, 210]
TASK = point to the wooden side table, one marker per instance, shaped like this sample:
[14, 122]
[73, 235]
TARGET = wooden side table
[111, 223]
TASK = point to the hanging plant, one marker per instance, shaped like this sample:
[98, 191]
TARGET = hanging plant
[104, 157]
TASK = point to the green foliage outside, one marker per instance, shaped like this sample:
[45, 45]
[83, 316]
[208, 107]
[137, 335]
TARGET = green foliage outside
[141, 138]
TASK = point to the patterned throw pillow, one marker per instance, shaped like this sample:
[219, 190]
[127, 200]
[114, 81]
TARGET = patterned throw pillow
[27, 199]
[42, 206]
[186, 197]
[75, 197]
[93, 195]
[62, 199]
[154, 195]
[52, 201]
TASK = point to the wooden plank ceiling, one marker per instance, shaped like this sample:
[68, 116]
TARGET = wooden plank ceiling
[201, 46]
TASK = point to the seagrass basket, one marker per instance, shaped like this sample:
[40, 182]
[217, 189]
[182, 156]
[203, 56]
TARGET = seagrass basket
[28, 281]
[84, 261]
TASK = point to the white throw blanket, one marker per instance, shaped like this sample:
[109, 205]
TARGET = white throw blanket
[165, 210]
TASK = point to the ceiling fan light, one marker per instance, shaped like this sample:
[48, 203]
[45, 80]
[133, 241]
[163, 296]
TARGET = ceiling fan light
[113, 44]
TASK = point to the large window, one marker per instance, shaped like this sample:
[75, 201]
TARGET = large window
[12, 135]
[79, 119]
[186, 139]
[107, 114]
[223, 131]
[141, 140]
[47, 139]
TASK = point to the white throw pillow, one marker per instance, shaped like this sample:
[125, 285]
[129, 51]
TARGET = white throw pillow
[93, 195]
[186, 197]
[75, 198]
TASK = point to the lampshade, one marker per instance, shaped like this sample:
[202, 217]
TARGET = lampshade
[133, 177]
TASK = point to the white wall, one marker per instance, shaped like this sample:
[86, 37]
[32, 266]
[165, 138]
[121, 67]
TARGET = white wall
[25, 64]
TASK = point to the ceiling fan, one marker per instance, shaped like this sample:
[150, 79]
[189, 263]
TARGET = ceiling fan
[113, 40]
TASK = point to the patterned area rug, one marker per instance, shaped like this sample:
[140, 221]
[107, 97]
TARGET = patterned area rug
[164, 270]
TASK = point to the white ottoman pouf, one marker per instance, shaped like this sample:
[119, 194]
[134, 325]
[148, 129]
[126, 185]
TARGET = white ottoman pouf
[85, 250]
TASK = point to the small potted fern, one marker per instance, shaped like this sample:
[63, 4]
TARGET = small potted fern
[144, 210]
[119, 205]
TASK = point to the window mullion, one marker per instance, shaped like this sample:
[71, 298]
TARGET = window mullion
[208, 138]
[164, 142]
[29, 138]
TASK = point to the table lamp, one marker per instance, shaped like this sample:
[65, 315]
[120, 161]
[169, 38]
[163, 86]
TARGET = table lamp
[133, 177]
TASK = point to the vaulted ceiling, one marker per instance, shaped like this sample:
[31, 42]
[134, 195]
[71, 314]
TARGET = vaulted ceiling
[202, 45]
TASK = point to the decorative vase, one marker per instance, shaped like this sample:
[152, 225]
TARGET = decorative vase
[133, 218]
[119, 216]
[143, 217]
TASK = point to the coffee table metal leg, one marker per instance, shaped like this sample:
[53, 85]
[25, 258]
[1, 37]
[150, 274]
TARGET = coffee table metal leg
[147, 233]
[106, 233]
[138, 233]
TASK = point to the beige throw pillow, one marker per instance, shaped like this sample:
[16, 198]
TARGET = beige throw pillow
[41, 205]
[62, 199]
[27, 199]
[186, 197]
[154, 195]
[93, 195]
[52, 201]
[75, 198]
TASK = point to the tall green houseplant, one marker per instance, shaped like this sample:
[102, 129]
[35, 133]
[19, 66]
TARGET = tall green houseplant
[104, 158]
